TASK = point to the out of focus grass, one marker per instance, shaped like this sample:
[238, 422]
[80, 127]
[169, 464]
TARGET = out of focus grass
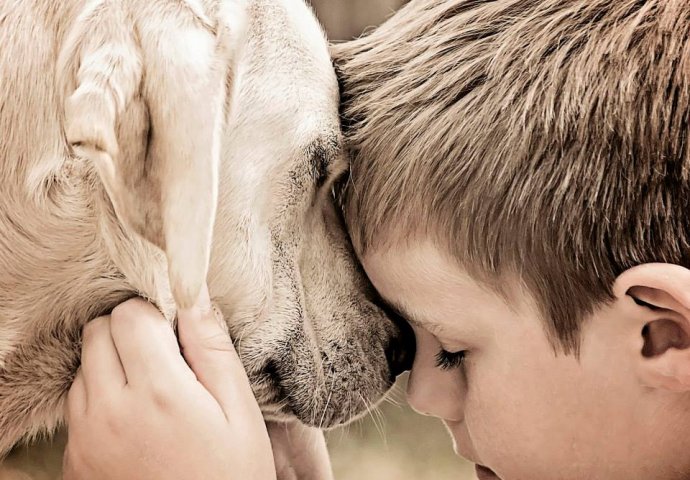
[345, 19]
[395, 444]
[42, 461]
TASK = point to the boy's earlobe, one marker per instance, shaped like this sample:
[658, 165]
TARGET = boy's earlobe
[661, 293]
[669, 371]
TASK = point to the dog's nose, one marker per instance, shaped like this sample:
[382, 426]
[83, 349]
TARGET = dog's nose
[401, 349]
[270, 372]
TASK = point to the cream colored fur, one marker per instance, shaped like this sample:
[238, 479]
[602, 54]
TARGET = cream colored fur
[148, 146]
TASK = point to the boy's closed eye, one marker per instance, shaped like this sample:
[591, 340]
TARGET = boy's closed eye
[449, 360]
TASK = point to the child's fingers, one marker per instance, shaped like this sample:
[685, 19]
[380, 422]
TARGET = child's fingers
[145, 343]
[100, 363]
[209, 351]
[76, 398]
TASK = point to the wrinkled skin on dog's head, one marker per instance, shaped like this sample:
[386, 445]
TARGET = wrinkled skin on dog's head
[282, 269]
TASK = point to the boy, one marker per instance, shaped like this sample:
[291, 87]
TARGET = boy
[519, 193]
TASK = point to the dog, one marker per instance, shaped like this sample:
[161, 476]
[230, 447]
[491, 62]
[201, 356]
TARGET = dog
[151, 146]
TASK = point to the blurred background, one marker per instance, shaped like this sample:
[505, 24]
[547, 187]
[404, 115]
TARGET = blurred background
[391, 443]
[346, 19]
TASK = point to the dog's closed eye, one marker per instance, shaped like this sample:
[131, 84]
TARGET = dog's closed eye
[325, 155]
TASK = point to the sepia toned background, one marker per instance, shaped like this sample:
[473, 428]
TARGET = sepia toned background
[346, 19]
[392, 443]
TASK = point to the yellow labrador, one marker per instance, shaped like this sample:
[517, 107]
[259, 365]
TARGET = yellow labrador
[148, 146]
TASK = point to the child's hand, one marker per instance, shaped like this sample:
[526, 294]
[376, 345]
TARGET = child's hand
[137, 411]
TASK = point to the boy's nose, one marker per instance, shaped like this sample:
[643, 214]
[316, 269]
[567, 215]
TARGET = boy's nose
[433, 391]
[435, 396]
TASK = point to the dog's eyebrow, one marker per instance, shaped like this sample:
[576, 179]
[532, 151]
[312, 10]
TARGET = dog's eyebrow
[321, 152]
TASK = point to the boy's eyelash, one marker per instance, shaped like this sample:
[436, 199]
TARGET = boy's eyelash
[449, 360]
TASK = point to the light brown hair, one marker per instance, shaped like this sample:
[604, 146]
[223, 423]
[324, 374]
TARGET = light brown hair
[543, 138]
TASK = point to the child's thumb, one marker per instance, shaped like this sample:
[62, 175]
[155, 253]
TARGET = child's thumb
[208, 350]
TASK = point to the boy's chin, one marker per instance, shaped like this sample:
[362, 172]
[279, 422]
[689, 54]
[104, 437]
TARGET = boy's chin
[484, 473]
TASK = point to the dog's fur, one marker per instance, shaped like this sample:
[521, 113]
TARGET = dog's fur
[150, 145]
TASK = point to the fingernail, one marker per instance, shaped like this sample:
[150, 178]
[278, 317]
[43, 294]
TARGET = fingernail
[203, 301]
[221, 321]
[201, 306]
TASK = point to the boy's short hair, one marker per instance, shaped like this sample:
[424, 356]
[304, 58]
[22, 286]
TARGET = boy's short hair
[547, 139]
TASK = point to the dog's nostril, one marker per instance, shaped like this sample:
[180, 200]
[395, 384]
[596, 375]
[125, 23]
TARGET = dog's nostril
[401, 349]
[271, 372]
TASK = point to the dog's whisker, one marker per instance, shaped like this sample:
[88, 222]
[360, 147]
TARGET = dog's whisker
[376, 420]
[396, 398]
[328, 401]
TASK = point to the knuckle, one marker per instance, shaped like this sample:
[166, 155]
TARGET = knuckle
[136, 310]
[162, 395]
[96, 325]
[113, 425]
[125, 311]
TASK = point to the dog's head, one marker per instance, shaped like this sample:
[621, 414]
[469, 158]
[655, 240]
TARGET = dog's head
[313, 341]
[281, 266]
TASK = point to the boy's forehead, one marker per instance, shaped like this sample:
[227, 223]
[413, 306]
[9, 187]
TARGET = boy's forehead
[428, 288]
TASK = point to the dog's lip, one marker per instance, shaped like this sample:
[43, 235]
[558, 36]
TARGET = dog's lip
[273, 404]
[269, 392]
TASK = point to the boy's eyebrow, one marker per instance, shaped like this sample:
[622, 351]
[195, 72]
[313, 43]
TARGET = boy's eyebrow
[403, 312]
[396, 308]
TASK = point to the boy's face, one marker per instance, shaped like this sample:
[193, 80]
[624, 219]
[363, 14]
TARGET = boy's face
[514, 405]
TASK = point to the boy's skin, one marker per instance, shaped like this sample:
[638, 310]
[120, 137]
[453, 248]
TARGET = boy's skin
[527, 413]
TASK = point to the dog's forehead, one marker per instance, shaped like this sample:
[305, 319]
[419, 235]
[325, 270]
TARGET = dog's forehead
[286, 80]
[288, 45]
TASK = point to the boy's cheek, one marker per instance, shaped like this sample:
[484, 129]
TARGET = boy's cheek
[513, 425]
[532, 423]
[493, 424]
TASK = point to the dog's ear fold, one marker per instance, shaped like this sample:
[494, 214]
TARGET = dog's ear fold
[149, 116]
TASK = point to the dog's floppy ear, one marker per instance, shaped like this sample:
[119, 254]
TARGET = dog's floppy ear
[147, 110]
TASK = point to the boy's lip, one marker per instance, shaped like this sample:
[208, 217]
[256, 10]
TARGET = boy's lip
[463, 447]
[484, 473]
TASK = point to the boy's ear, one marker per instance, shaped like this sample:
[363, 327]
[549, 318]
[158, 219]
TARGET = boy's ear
[661, 293]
